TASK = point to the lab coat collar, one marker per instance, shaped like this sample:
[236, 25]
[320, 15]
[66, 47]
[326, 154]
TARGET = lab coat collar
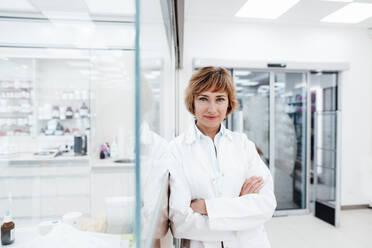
[193, 133]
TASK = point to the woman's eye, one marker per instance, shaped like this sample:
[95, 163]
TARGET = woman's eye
[203, 99]
[220, 99]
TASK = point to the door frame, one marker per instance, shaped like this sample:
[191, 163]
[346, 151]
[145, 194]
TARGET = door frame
[290, 66]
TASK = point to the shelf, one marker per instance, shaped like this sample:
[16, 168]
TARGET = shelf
[102, 164]
[25, 157]
[64, 119]
[15, 89]
[19, 126]
[15, 115]
[295, 103]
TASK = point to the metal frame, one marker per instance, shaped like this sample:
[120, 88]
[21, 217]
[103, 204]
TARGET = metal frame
[308, 141]
[272, 123]
[338, 148]
[338, 170]
[262, 64]
[315, 155]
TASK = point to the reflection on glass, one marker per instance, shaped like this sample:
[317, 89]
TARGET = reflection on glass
[156, 111]
[252, 117]
[324, 141]
[290, 140]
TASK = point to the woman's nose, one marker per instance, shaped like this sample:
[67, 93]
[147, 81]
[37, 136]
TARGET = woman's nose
[212, 108]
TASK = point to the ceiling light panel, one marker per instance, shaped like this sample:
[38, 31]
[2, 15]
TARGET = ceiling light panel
[266, 9]
[342, 1]
[19, 5]
[351, 13]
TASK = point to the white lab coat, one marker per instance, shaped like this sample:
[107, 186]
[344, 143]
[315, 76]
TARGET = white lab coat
[237, 221]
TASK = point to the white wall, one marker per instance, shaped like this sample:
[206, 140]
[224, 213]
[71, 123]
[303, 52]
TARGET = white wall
[300, 43]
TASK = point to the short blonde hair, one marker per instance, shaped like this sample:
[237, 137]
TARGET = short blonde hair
[217, 78]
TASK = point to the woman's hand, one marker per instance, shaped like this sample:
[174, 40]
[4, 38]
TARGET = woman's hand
[252, 185]
[198, 206]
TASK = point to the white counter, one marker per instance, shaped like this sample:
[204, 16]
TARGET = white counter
[29, 236]
[93, 162]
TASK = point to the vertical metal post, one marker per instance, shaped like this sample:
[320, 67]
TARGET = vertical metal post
[137, 128]
[315, 155]
[338, 149]
[272, 124]
[308, 140]
[338, 170]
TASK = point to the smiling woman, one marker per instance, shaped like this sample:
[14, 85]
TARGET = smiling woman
[221, 191]
[210, 97]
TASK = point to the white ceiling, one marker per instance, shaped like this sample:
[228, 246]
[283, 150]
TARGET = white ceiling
[69, 7]
[304, 12]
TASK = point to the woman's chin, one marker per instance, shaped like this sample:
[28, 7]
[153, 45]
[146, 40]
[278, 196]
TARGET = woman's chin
[211, 123]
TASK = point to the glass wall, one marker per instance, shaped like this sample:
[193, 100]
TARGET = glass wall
[85, 114]
[156, 118]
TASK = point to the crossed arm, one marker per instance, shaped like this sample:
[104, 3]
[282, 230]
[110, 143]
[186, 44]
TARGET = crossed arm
[217, 218]
[251, 186]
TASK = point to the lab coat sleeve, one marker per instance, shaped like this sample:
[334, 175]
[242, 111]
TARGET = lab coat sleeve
[248, 211]
[185, 223]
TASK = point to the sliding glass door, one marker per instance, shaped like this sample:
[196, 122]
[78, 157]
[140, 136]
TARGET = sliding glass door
[290, 139]
[273, 113]
[326, 155]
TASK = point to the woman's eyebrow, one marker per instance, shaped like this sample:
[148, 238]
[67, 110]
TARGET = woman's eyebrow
[203, 95]
[221, 96]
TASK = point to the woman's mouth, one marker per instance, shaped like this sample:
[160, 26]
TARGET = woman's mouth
[211, 117]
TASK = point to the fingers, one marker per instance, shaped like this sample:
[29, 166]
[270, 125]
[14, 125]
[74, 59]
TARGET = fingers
[198, 206]
[252, 185]
[257, 186]
[253, 182]
[246, 184]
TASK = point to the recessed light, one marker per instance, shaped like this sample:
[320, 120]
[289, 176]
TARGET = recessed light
[242, 73]
[247, 83]
[342, 1]
[267, 9]
[351, 13]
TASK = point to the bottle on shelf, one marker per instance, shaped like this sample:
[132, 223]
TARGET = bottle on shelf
[7, 229]
[55, 112]
[77, 114]
[69, 113]
[84, 111]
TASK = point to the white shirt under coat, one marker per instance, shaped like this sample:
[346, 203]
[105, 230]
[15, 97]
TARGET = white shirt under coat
[237, 221]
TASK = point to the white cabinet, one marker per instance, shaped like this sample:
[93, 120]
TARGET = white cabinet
[47, 188]
[113, 180]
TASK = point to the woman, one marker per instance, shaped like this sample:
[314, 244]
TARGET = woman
[221, 191]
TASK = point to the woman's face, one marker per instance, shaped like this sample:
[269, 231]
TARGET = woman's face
[210, 108]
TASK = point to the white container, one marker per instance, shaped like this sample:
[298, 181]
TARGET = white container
[120, 214]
